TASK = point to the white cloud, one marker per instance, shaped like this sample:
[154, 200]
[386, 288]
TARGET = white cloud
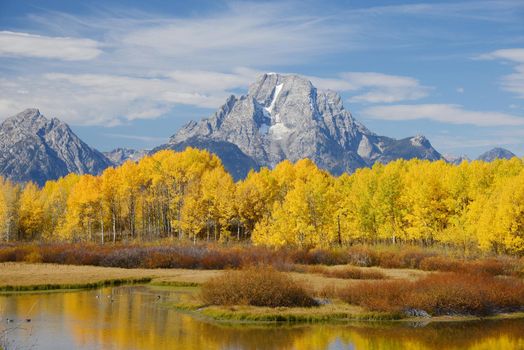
[108, 99]
[444, 113]
[515, 55]
[62, 48]
[460, 90]
[375, 87]
[513, 82]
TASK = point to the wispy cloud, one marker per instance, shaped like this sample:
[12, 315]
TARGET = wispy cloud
[487, 10]
[513, 82]
[458, 142]
[444, 113]
[29, 45]
[373, 87]
[125, 65]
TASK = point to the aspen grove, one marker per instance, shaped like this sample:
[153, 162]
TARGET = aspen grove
[474, 206]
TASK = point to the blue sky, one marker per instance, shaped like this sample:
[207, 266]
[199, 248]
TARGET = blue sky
[131, 73]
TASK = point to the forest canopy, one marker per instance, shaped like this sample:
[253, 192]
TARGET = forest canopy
[190, 196]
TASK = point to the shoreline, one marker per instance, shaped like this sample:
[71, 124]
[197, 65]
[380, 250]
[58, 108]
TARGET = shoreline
[25, 278]
[335, 313]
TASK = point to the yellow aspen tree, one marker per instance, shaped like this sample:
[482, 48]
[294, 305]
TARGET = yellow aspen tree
[31, 212]
[218, 190]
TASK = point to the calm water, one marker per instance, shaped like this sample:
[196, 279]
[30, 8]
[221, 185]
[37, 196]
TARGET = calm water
[136, 319]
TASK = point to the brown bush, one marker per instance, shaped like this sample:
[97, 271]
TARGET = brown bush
[257, 286]
[441, 263]
[439, 294]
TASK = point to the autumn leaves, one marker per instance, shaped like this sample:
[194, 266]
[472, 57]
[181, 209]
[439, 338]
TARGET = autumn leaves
[188, 195]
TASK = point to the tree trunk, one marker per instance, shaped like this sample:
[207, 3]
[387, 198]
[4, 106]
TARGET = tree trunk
[102, 227]
[238, 231]
[114, 227]
[339, 233]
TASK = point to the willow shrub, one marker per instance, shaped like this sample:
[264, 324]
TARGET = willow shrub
[439, 294]
[256, 286]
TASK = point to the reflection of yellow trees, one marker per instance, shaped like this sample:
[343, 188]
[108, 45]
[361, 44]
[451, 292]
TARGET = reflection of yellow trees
[488, 335]
[135, 320]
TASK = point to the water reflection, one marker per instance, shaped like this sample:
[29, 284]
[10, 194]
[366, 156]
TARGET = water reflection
[135, 318]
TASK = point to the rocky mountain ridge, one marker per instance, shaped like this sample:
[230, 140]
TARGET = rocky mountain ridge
[496, 153]
[34, 148]
[287, 117]
[281, 117]
[120, 155]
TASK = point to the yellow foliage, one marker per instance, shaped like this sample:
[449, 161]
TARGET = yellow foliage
[189, 195]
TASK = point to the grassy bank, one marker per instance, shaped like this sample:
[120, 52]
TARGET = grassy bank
[334, 312]
[89, 285]
[38, 277]
[25, 276]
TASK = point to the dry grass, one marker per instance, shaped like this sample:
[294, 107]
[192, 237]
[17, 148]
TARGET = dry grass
[20, 274]
[25, 274]
[256, 286]
[346, 272]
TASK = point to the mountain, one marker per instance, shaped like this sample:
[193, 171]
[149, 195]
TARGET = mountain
[286, 117]
[456, 160]
[34, 148]
[496, 153]
[119, 156]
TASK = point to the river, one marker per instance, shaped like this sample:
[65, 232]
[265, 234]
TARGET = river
[136, 317]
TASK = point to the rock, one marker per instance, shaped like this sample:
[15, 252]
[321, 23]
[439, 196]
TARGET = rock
[416, 313]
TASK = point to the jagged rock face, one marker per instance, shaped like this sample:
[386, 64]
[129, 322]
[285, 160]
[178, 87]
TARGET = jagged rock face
[408, 148]
[286, 117]
[34, 148]
[119, 156]
[496, 153]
